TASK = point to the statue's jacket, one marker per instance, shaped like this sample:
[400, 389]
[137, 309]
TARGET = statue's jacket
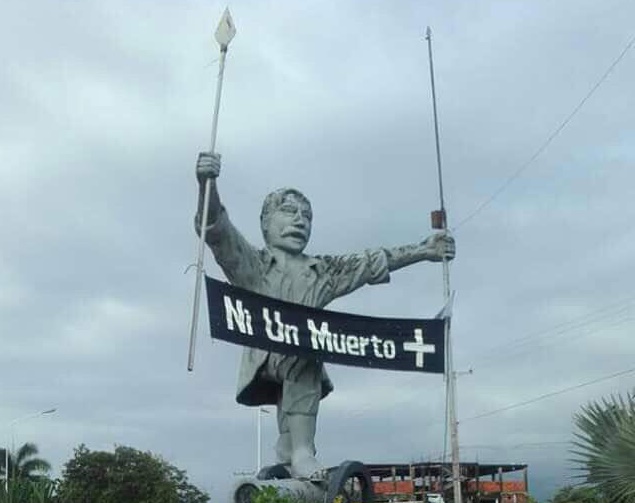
[320, 280]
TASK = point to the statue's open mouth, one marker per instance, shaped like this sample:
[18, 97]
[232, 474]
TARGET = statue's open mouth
[295, 234]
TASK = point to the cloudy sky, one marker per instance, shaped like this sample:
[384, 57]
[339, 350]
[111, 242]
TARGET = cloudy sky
[103, 109]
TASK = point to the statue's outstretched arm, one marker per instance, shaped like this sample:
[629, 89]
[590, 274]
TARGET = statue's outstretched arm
[434, 249]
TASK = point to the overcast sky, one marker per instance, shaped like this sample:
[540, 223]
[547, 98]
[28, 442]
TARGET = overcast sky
[103, 109]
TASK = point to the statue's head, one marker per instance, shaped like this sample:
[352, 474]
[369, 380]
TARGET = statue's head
[285, 220]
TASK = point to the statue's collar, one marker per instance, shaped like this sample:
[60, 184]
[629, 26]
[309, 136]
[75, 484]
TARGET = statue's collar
[270, 259]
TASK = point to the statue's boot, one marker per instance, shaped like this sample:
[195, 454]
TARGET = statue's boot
[304, 465]
[283, 448]
[283, 445]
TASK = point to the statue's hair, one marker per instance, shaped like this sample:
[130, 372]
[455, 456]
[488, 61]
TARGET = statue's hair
[275, 199]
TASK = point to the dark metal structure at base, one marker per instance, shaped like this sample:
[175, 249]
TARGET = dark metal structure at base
[350, 482]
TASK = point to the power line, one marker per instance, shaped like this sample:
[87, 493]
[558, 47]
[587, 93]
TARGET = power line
[559, 337]
[522, 445]
[549, 395]
[549, 139]
[559, 331]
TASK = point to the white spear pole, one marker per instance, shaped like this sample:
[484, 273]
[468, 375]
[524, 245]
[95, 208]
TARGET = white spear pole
[224, 35]
[450, 373]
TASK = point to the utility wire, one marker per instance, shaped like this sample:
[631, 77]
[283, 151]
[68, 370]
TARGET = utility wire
[549, 395]
[559, 331]
[560, 337]
[548, 141]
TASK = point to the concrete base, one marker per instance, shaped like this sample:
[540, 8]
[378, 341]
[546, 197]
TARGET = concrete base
[300, 490]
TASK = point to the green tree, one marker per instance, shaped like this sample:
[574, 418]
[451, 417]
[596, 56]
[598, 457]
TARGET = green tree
[605, 447]
[577, 494]
[25, 464]
[127, 475]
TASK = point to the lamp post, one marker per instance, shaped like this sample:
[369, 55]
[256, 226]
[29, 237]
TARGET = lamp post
[261, 410]
[11, 430]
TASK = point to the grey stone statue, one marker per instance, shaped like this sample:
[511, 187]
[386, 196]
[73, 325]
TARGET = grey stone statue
[282, 270]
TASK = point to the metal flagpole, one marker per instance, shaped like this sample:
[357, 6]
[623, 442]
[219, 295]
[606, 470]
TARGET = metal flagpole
[439, 221]
[224, 35]
[259, 441]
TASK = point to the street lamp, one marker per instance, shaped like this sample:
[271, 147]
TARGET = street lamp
[11, 429]
[260, 411]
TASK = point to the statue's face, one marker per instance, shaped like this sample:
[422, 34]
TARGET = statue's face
[289, 225]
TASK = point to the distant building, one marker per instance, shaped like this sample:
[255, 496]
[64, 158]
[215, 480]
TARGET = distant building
[432, 482]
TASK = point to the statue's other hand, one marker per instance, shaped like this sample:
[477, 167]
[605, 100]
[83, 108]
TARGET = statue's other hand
[440, 246]
[207, 166]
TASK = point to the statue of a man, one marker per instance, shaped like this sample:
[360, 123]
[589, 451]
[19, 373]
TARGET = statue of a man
[283, 271]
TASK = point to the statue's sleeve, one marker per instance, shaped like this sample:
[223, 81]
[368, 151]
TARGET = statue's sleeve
[239, 259]
[349, 272]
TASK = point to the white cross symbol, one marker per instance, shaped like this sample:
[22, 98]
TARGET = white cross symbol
[419, 347]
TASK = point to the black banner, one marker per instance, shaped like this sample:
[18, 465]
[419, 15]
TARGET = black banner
[242, 317]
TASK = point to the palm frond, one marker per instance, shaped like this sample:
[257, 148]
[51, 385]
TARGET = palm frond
[25, 452]
[604, 446]
[33, 466]
[24, 463]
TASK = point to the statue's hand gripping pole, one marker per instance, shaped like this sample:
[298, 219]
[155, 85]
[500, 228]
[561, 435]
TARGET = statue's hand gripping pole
[224, 35]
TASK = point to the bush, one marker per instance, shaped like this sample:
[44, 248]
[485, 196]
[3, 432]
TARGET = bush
[28, 491]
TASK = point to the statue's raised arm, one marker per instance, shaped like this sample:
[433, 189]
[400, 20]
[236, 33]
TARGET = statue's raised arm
[238, 258]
